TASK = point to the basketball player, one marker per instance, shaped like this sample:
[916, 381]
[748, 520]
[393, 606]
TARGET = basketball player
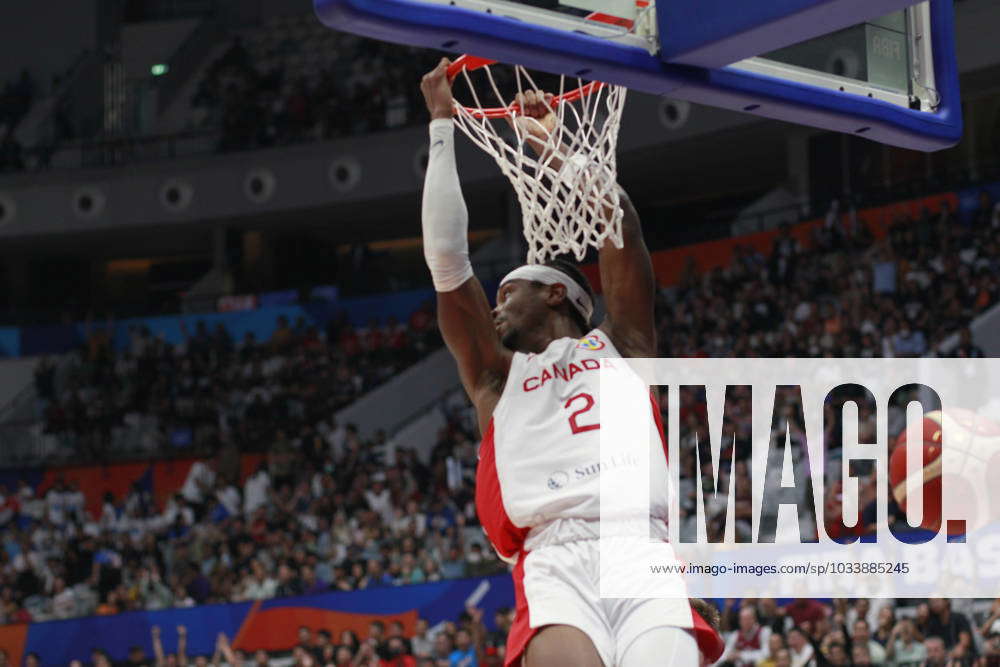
[530, 367]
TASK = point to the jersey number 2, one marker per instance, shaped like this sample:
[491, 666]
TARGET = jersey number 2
[588, 403]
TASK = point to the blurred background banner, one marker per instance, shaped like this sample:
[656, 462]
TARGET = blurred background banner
[271, 625]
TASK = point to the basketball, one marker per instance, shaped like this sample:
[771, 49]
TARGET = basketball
[958, 446]
[931, 425]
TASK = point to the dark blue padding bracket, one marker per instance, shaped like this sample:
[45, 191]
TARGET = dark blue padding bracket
[460, 30]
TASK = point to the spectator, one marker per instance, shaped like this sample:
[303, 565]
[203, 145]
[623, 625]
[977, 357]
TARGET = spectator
[783, 658]
[443, 647]
[775, 643]
[937, 656]
[886, 623]
[255, 490]
[952, 627]
[321, 645]
[199, 485]
[289, 584]
[922, 618]
[63, 599]
[837, 655]
[306, 640]
[376, 636]
[258, 585]
[464, 654]
[903, 648]
[311, 584]
[422, 644]
[909, 343]
[749, 643]
[800, 649]
[860, 655]
[396, 630]
[379, 499]
[152, 590]
[397, 654]
[862, 637]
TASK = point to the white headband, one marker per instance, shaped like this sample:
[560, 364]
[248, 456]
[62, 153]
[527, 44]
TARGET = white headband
[549, 276]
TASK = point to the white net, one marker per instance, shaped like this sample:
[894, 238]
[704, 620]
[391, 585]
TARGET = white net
[567, 190]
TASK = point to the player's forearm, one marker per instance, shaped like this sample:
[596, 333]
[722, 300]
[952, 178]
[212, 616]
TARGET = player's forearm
[631, 228]
[638, 264]
[445, 218]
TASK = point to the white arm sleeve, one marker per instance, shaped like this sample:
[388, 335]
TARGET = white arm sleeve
[445, 217]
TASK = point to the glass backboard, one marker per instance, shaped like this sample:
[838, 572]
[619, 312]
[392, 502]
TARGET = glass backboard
[882, 57]
[891, 78]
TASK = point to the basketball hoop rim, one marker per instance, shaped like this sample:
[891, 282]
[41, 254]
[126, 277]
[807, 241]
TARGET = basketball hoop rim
[470, 63]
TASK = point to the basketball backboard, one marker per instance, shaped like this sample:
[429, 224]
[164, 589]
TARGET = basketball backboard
[830, 64]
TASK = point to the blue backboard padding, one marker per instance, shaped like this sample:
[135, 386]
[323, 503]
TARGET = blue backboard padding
[716, 33]
[508, 40]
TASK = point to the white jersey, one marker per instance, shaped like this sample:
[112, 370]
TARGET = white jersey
[540, 457]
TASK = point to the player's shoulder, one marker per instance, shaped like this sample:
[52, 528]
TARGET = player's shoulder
[628, 342]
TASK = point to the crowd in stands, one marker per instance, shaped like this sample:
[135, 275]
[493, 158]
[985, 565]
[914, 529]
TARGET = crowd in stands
[273, 96]
[860, 632]
[758, 632]
[840, 294]
[325, 511]
[156, 397]
[331, 511]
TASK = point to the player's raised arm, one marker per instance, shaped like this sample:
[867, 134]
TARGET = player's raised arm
[629, 287]
[464, 313]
